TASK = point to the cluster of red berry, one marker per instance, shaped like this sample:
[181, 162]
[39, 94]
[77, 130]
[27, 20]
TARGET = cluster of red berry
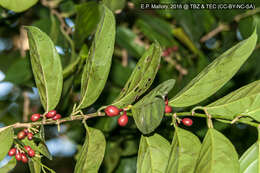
[169, 50]
[21, 154]
[112, 111]
[185, 121]
[51, 114]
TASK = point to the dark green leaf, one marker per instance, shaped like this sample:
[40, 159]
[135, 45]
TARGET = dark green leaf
[46, 67]
[127, 165]
[19, 72]
[215, 75]
[6, 138]
[17, 5]
[217, 154]
[92, 152]
[98, 63]
[112, 156]
[88, 17]
[126, 38]
[243, 101]
[156, 29]
[184, 153]
[141, 78]
[9, 166]
[153, 154]
[149, 111]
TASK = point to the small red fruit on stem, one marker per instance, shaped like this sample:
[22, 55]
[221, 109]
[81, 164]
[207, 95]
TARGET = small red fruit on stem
[167, 109]
[123, 120]
[26, 131]
[30, 136]
[31, 153]
[35, 117]
[24, 158]
[112, 111]
[27, 148]
[21, 135]
[12, 152]
[56, 117]
[51, 114]
[187, 121]
[18, 156]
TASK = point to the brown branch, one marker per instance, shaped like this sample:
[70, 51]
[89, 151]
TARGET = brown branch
[178, 67]
[26, 106]
[50, 122]
[238, 17]
[221, 27]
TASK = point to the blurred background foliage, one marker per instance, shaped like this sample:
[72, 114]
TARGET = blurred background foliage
[191, 39]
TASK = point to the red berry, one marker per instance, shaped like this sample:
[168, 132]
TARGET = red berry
[31, 153]
[30, 136]
[24, 158]
[122, 120]
[56, 117]
[175, 48]
[21, 135]
[27, 148]
[167, 109]
[112, 111]
[35, 117]
[165, 53]
[26, 131]
[166, 101]
[187, 121]
[51, 114]
[18, 156]
[12, 152]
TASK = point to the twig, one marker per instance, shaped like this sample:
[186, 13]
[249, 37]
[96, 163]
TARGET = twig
[26, 106]
[124, 58]
[238, 17]
[178, 67]
[221, 27]
[49, 121]
[65, 30]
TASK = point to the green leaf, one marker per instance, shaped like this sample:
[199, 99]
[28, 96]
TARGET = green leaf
[215, 75]
[17, 5]
[243, 101]
[141, 78]
[9, 166]
[19, 72]
[184, 153]
[92, 152]
[153, 154]
[149, 111]
[34, 166]
[98, 63]
[88, 17]
[115, 5]
[156, 29]
[249, 160]
[6, 138]
[127, 165]
[46, 67]
[126, 38]
[217, 154]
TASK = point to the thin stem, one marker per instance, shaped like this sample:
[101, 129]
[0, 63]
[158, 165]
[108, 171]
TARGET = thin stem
[49, 121]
